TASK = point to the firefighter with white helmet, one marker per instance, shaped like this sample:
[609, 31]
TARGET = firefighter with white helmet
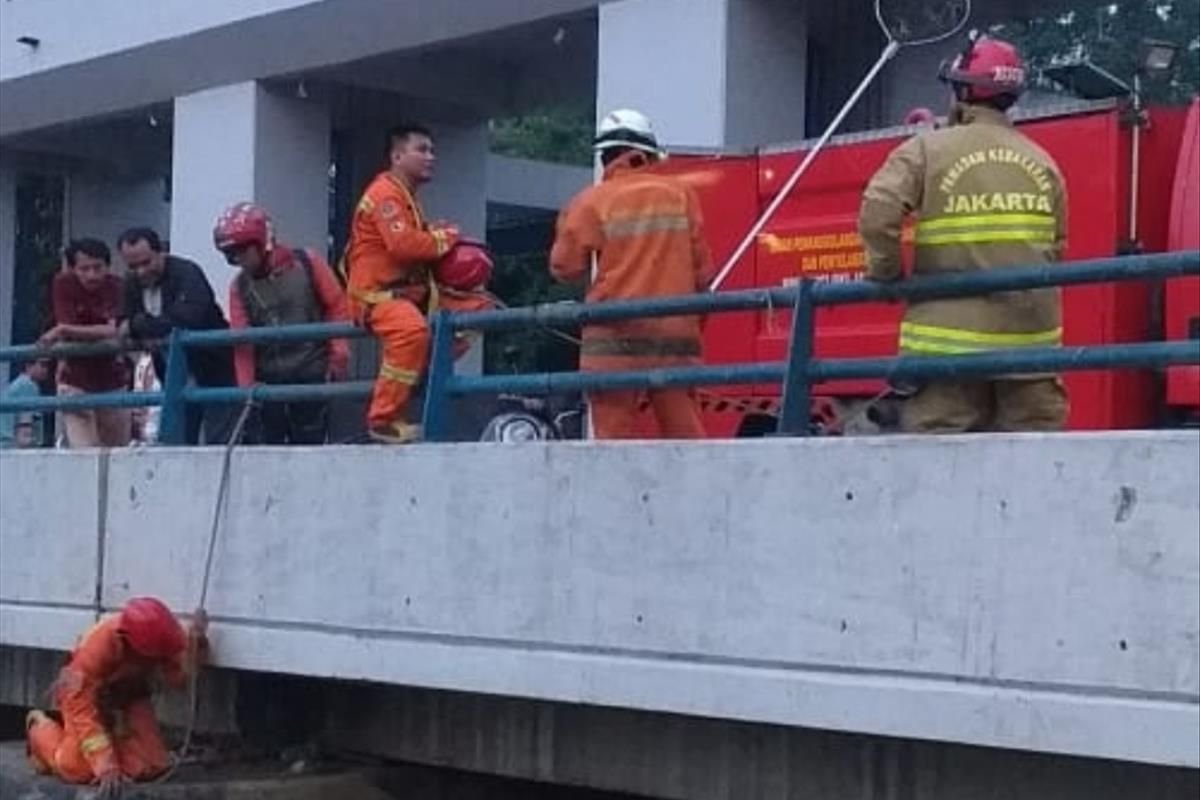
[644, 230]
[984, 197]
[626, 128]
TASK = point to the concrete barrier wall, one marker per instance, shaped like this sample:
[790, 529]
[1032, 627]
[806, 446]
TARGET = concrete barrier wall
[1033, 592]
[51, 507]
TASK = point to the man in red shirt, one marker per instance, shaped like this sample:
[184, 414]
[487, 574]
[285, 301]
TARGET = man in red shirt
[86, 299]
[281, 286]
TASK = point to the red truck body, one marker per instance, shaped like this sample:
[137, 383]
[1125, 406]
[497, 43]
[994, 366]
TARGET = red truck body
[1182, 307]
[814, 235]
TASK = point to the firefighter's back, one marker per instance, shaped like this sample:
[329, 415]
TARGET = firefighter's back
[646, 223]
[992, 197]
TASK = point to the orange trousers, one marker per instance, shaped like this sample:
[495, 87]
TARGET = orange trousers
[403, 335]
[140, 751]
[615, 414]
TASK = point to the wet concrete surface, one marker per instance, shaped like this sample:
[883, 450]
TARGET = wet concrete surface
[195, 782]
[275, 780]
[265, 762]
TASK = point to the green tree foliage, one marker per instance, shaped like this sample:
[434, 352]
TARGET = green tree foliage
[522, 280]
[1109, 35]
[521, 276]
[41, 203]
[561, 135]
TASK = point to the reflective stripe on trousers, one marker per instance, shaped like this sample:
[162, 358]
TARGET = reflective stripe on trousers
[96, 742]
[937, 340]
[374, 297]
[389, 372]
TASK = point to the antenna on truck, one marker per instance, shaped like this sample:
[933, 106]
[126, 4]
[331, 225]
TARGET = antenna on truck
[905, 23]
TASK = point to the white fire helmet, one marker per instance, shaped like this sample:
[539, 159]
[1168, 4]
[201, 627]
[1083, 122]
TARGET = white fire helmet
[626, 128]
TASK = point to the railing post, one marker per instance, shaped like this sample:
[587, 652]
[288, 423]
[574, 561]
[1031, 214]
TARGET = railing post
[172, 426]
[441, 367]
[797, 391]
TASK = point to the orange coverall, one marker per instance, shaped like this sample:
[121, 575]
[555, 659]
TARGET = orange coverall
[646, 231]
[389, 259]
[104, 694]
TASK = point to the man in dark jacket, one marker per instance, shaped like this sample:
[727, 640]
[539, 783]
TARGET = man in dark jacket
[164, 292]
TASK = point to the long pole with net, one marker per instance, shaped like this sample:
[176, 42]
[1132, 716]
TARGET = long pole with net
[905, 23]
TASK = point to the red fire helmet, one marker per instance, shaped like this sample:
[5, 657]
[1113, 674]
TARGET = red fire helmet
[151, 629]
[467, 266]
[988, 68]
[242, 224]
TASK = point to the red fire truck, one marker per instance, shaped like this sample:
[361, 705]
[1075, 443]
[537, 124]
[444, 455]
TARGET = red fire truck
[1115, 206]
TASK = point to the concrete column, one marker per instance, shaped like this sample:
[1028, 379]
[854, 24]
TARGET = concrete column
[459, 189]
[458, 193]
[103, 206]
[766, 64]
[677, 79]
[292, 155]
[731, 74]
[8, 252]
[212, 165]
[243, 142]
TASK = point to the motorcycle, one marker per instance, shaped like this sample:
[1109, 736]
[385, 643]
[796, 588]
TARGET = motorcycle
[534, 419]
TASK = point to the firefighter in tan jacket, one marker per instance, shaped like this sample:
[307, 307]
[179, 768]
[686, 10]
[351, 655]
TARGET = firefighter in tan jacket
[983, 197]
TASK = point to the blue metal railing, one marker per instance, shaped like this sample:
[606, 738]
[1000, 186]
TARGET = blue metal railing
[797, 374]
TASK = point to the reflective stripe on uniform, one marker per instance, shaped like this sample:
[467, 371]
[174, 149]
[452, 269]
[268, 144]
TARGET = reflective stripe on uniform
[918, 338]
[634, 226]
[640, 346]
[986, 237]
[986, 228]
[371, 298]
[389, 372]
[985, 220]
[91, 744]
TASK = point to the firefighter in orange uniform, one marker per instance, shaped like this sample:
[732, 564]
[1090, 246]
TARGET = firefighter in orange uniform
[645, 232]
[984, 197]
[108, 734]
[392, 260]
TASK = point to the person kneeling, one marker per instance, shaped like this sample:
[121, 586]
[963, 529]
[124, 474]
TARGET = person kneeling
[108, 734]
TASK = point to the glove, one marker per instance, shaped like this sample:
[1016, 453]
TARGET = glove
[51, 337]
[449, 234]
[112, 786]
